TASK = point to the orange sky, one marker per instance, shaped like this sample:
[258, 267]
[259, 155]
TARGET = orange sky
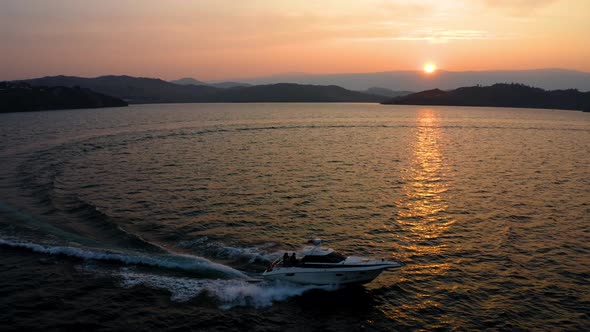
[220, 39]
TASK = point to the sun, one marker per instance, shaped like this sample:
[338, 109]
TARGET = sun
[429, 68]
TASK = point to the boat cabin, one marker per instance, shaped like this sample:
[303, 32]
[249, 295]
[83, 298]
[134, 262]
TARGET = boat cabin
[332, 258]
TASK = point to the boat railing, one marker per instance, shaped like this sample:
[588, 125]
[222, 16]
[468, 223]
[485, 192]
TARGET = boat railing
[279, 263]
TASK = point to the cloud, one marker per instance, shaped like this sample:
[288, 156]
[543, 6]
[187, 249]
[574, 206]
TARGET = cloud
[436, 36]
[518, 7]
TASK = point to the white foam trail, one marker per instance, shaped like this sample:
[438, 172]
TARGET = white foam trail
[220, 250]
[228, 293]
[184, 262]
[251, 254]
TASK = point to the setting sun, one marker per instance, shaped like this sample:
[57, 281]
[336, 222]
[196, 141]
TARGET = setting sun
[429, 68]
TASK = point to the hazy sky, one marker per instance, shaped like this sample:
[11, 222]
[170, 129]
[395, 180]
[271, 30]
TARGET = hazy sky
[220, 39]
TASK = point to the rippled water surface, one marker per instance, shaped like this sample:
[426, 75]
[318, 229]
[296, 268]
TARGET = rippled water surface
[487, 209]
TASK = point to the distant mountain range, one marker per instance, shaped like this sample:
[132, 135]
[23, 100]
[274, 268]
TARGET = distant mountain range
[222, 85]
[500, 95]
[152, 90]
[229, 84]
[386, 92]
[22, 97]
[188, 81]
[134, 90]
[551, 79]
[288, 92]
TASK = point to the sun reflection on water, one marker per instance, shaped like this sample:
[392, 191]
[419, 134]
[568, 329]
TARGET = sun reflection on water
[421, 212]
[422, 219]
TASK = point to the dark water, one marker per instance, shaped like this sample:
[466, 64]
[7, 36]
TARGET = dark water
[157, 217]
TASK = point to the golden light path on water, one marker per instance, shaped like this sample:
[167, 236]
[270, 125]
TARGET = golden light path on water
[421, 213]
[422, 209]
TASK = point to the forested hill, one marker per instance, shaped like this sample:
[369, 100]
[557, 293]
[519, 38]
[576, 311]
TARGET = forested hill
[22, 97]
[499, 95]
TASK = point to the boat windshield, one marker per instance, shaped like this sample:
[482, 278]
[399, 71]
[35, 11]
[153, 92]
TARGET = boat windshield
[332, 257]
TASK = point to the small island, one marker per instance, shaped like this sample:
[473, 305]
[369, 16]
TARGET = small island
[499, 95]
[22, 97]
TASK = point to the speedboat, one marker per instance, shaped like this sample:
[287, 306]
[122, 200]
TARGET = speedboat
[321, 266]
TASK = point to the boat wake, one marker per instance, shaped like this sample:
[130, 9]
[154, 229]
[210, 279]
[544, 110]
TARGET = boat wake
[217, 249]
[226, 293]
[226, 286]
[167, 261]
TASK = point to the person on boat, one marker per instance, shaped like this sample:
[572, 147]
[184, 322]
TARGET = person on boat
[293, 260]
[286, 259]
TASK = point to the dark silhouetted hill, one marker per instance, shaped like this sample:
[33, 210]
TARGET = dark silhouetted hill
[286, 92]
[150, 90]
[136, 90]
[499, 95]
[22, 97]
[221, 85]
[187, 81]
[386, 92]
[229, 85]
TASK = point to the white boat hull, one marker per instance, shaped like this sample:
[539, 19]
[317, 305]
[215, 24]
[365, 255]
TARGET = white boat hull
[326, 276]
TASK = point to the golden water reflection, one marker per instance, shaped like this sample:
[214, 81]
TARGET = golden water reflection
[421, 211]
[422, 218]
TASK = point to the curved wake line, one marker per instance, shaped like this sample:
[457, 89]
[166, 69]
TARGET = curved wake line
[176, 261]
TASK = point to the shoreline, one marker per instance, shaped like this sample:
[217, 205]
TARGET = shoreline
[325, 102]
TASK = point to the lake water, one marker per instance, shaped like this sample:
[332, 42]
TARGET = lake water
[159, 216]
